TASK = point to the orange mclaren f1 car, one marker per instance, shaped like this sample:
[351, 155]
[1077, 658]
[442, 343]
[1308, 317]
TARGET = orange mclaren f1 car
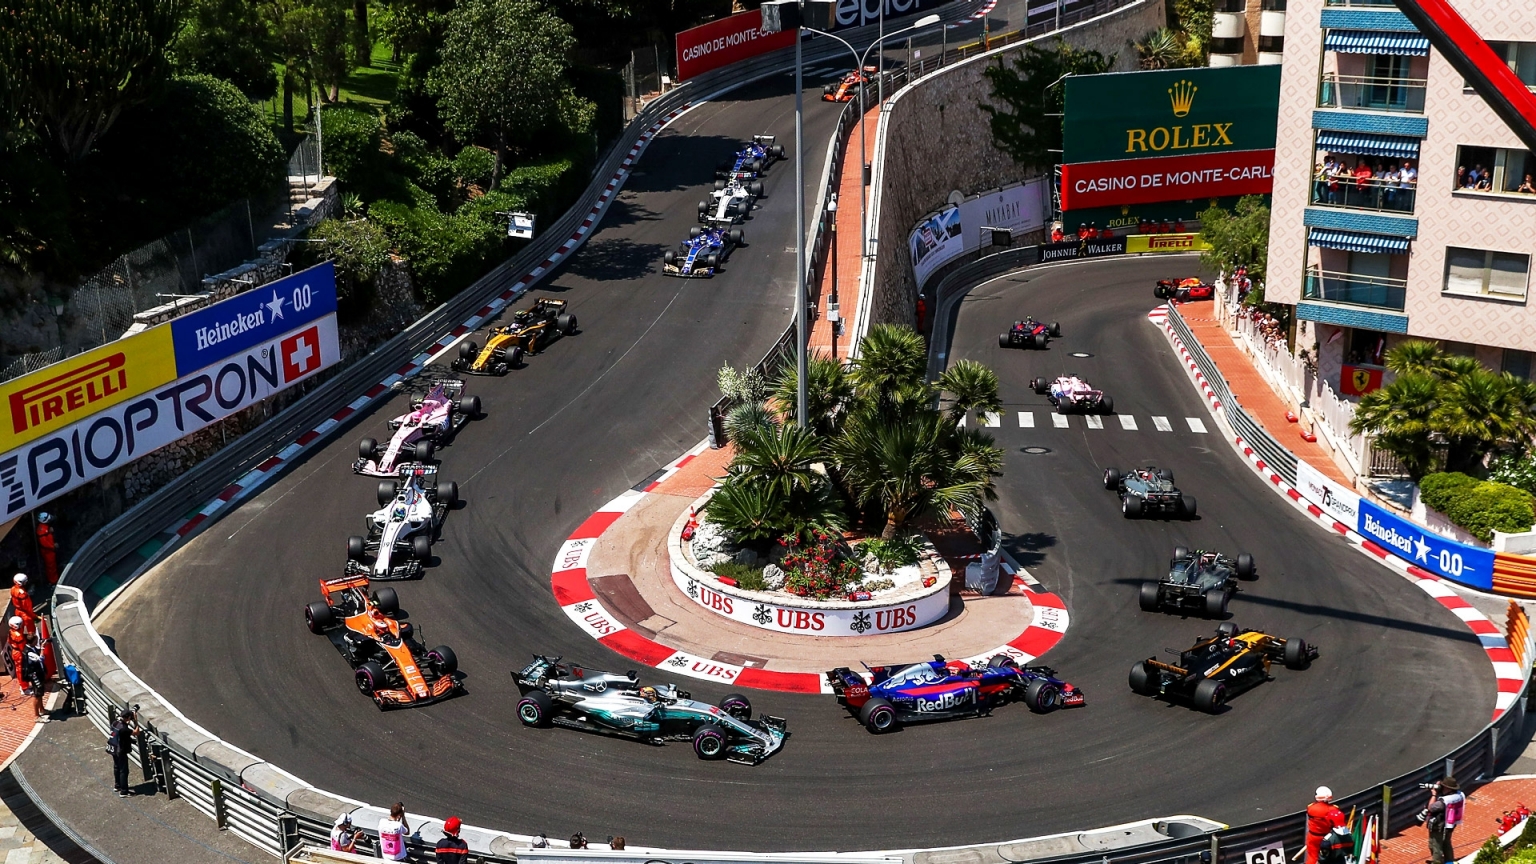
[393, 667]
[848, 88]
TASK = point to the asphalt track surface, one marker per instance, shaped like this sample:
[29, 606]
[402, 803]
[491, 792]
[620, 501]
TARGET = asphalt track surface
[218, 629]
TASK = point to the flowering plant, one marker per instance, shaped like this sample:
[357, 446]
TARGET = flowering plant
[813, 566]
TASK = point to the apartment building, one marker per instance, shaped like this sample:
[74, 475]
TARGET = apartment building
[1441, 251]
[1246, 32]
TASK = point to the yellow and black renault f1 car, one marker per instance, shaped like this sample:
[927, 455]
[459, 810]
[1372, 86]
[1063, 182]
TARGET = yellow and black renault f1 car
[1215, 669]
[530, 331]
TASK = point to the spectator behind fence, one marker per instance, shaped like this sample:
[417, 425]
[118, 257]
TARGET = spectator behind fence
[578, 841]
[392, 832]
[1446, 807]
[616, 844]
[344, 834]
[450, 849]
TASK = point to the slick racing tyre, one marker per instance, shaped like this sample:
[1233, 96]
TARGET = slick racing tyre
[694, 232]
[719, 184]
[1041, 340]
[448, 494]
[535, 709]
[387, 600]
[421, 548]
[1002, 340]
[709, 742]
[515, 356]
[422, 452]
[756, 189]
[1226, 629]
[669, 257]
[1131, 506]
[319, 617]
[1216, 603]
[737, 236]
[355, 548]
[1002, 661]
[369, 678]
[367, 447]
[878, 715]
[737, 706]
[1151, 597]
[1187, 508]
[443, 658]
[469, 406]
[1165, 474]
[1039, 385]
[1107, 404]
[387, 492]
[1246, 568]
[1142, 681]
[1180, 552]
[1055, 329]
[1111, 478]
[1210, 695]
[1042, 696]
[468, 351]
[565, 323]
[1296, 654]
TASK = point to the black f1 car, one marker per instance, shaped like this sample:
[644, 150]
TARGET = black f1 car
[1029, 333]
[1201, 582]
[1148, 490]
[940, 689]
[1215, 669]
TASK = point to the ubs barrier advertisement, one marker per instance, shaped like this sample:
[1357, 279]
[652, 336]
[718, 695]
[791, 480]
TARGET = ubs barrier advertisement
[1144, 181]
[724, 41]
[80, 418]
[943, 236]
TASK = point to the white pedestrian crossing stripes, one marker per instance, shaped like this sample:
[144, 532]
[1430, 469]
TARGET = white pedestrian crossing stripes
[1026, 419]
[1162, 424]
[1128, 422]
[1094, 421]
[991, 420]
[1195, 424]
[1060, 420]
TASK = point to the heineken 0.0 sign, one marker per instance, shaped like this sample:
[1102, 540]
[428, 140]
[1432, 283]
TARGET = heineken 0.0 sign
[1170, 112]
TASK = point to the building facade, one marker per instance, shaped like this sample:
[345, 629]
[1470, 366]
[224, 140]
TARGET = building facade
[1402, 206]
[1247, 32]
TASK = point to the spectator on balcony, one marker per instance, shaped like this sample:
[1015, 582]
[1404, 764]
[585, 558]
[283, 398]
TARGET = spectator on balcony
[1407, 182]
[1461, 177]
[1363, 185]
[1527, 186]
[1335, 169]
[1319, 180]
[1386, 186]
[578, 840]
[343, 834]
[1484, 179]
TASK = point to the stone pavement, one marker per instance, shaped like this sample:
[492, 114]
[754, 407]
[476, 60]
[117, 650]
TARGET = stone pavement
[849, 262]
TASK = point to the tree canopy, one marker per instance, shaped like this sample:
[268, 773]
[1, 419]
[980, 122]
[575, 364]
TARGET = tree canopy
[1026, 116]
[1237, 237]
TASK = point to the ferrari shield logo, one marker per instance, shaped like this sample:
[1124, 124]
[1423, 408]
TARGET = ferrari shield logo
[1359, 380]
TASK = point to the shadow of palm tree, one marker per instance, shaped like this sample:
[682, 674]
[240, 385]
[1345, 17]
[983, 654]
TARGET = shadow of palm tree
[1028, 549]
[616, 258]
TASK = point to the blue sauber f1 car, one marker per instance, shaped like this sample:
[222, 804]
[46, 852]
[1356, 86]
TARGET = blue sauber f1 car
[703, 253]
[940, 689]
[751, 161]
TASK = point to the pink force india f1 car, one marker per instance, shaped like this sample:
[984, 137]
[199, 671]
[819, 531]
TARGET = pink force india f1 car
[433, 418]
[1071, 394]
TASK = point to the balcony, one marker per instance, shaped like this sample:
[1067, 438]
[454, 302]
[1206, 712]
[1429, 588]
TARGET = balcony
[1398, 95]
[1353, 289]
[1368, 3]
[1382, 196]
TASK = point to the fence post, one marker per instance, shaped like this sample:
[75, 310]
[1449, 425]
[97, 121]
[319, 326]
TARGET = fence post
[146, 764]
[1493, 752]
[1386, 809]
[1215, 849]
[220, 815]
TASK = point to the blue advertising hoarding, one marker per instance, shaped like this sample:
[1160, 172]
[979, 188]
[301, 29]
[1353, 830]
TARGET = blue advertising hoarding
[224, 329]
[1458, 562]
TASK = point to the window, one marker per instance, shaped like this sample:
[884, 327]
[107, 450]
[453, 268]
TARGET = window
[1234, 6]
[1521, 57]
[1273, 5]
[1517, 363]
[1484, 273]
[1227, 46]
[1271, 44]
[1496, 170]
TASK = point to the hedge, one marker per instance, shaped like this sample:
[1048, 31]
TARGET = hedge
[1479, 507]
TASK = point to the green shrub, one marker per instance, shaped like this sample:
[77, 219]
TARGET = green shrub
[1439, 490]
[360, 248]
[473, 166]
[1517, 471]
[546, 188]
[1479, 507]
[748, 578]
[352, 141]
[446, 252]
[1491, 852]
[895, 552]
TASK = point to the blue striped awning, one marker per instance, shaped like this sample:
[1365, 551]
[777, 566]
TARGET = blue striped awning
[1357, 144]
[1352, 241]
[1376, 42]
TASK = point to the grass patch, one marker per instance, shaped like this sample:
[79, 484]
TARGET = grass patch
[374, 86]
[748, 578]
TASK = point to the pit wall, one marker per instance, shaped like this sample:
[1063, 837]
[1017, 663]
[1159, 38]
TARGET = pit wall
[934, 138]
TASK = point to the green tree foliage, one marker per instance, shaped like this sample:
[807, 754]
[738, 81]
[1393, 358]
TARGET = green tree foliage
[828, 389]
[446, 251]
[971, 387]
[1193, 19]
[502, 75]
[360, 249]
[1238, 238]
[1480, 507]
[888, 376]
[1160, 49]
[1517, 470]
[908, 468]
[1026, 109]
[75, 65]
[229, 39]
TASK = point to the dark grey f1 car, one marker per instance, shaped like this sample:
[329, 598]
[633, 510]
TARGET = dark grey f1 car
[1200, 582]
[1144, 491]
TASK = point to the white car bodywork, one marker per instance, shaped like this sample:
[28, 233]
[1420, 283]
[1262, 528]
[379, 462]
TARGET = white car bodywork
[730, 204]
[432, 418]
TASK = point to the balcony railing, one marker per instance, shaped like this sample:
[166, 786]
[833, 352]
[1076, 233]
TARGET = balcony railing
[1399, 95]
[1355, 289]
[1359, 2]
[1379, 195]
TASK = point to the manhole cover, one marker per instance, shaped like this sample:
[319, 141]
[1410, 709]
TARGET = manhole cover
[1034, 451]
[1079, 354]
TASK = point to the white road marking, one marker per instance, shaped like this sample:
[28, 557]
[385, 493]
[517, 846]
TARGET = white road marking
[1195, 424]
[991, 420]
[1162, 424]
[1094, 421]
[1128, 422]
[1026, 419]
[1060, 420]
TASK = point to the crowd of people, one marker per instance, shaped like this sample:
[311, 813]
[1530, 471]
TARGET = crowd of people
[1479, 179]
[1376, 183]
[395, 835]
[1330, 841]
[1092, 231]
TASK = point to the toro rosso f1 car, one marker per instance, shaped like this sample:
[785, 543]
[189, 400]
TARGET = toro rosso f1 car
[1148, 490]
[731, 202]
[436, 416]
[751, 161]
[530, 331]
[1029, 333]
[940, 689]
[703, 253]
[846, 89]
[1072, 395]
[401, 532]
[391, 665]
[1184, 290]
[609, 704]
[1201, 582]
[1214, 670]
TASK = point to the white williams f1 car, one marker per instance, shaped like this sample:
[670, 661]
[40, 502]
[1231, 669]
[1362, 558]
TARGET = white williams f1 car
[401, 532]
[731, 202]
[436, 416]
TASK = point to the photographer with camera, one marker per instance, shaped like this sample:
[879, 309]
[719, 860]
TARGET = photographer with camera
[1446, 807]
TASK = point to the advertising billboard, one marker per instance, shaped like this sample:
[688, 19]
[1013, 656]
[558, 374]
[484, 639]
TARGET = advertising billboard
[253, 317]
[1067, 250]
[1333, 498]
[943, 236]
[1170, 112]
[1459, 562]
[858, 13]
[724, 41]
[1171, 178]
[1137, 244]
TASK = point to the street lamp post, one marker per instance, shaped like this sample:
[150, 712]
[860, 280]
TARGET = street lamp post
[834, 313]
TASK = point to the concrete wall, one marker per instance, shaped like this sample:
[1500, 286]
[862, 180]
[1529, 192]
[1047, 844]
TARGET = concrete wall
[937, 139]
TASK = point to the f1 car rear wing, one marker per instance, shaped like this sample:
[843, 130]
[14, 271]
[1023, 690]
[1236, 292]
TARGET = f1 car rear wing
[765, 140]
[343, 583]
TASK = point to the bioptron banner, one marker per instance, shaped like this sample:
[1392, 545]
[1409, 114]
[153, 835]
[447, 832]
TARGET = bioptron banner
[1468, 565]
[955, 230]
[78, 419]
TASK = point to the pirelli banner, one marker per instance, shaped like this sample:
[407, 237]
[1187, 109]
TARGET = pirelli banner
[82, 417]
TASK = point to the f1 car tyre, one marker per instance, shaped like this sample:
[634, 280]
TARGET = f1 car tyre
[1055, 329]
[1151, 599]
[535, 709]
[1002, 340]
[444, 659]
[1107, 404]
[1131, 506]
[755, 189]
[387, 491]
[1180, 552]
[737, 236]
[704, 209]
[757, 165]
[1042, 340]
[319, 617]
[1226, 629]
[369, 678]
[421, 548]
[1165, 474]
[712, 259]
[468, 350]
[1111, 478]
[1141, 680]
[448, 493]
[709, 742]
[1062, 407]
[826, 89]
[1039, 385]
[778, 151]
[1210, 695]
[1042, 696]
[1002, 661]
[422, 451]
[1161, 291]
[1187, 506]
[737, 706]
[719, 184]
[1246, 569]
[669, 257]
[1296, 654]
[366, 448]
[878, 715]
[387, 600]
[694, 232]
[354, 548]
[469, 406]
[515, 356]
[1216, 603]
[566, 323]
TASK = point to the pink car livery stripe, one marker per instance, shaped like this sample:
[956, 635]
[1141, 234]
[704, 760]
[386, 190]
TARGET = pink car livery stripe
[259, 475]
[1507, 672]
[568, 582]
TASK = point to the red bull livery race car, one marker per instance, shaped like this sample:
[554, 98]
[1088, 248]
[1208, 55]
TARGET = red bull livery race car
[846, 89]
[940, 689]
[436, 416]
[1071, 394]
[1184, 290]
[751, 161]
[390, 664]
[1029, 333]
[703, 253]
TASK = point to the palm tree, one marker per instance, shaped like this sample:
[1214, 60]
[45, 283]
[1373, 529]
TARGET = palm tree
[1416, 356]
[751, 512]
[907, 467]
[971, 387]
[779, 458]
[828, 389]
[1401, 416]
[1160, 49]
[1480, 410]
[747, 418]
[892, 360]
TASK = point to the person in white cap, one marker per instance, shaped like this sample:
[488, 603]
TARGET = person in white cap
[21, 603]
[18, 645]
[1320, 815]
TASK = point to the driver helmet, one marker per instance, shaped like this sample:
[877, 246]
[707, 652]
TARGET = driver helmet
[380, 622]
[649, 694]
[399, 511]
